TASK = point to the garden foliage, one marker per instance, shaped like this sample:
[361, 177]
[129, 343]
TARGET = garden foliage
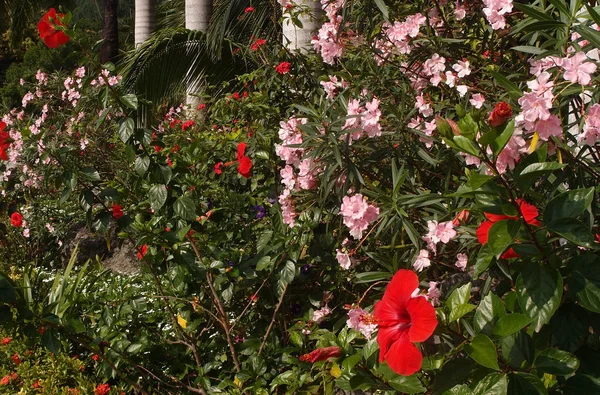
[409, 208]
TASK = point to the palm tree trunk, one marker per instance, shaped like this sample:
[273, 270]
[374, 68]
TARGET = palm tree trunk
[298, 38]
[109, 51]
[197, 17]
[144, 20]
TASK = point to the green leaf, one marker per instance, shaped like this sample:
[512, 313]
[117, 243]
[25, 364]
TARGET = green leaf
[50, 341]
[483, 351]
[512, 89]
[288, 272]
[535, 168]
[483, 261]
[517, 349]
[584, 282]
[459, 296]
[568, 204]
[162, 173]
[555, 361]
[575, 231]
[466, 145]
[263, 263]
[510, 324]
[91, 173]
[582, 384]
[263, 240]
[534, 12]
[539, 291]
[141, 165]
[589, 34]
[130, 100]
[296, 338]
[489, 310]
[525, 384]
[158, 196]
[404, 384]
[500, 142]
[468, 128]
[492, 384]
[126, 130]
[501, 235]
[383, 8]
[185, 208]
[454, 372]
[459, 311]
[368, 277]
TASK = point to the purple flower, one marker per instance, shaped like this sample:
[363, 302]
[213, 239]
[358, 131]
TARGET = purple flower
[260, 212]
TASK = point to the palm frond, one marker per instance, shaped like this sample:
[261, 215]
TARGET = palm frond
[173, 59]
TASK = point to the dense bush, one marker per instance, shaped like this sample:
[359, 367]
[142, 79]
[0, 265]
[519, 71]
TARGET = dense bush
[412, 209]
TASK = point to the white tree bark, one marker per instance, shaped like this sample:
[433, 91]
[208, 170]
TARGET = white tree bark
[197, 17]
[145, 17]
[298, 38]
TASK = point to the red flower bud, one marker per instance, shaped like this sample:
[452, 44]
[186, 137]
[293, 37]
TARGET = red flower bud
[321, 354]
[500, 114]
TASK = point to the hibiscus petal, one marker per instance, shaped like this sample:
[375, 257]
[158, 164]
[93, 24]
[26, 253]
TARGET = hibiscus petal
[422, 319]
[404, 357]
[530, 212]
[387, 319]
[400, 289]
[483, 231]
[497, 217]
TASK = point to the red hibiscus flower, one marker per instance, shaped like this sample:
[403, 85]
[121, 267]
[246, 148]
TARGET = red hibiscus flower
[283, 67]
[102, 389]
[249, 9]
[4, 141]
[244, 162]
[142, 251]
[403, 320]
[117, 211]
[52, 36]
[257, 44]
[241, 150]
[187, 124]
[321, 354]
[530, 213]
[16, 219]
[6, 341]
[500, 114]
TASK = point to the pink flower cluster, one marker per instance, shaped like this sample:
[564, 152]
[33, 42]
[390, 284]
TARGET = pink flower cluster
[319, 315]
[591, 128]
[343, 259]
[361, 321]
[327, 41]
[358, 214]
[495, 10]
[333, 85]
[438, 232]
[361, 120]
[397, 37]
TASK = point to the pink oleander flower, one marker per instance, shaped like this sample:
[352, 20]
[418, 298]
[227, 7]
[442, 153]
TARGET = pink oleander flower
[549, 127]
[460, 11]
[461, 261]
[319, 315]
[438, 232]
[361, 321]
[591, 127]
[422, 261]
[343, 259]
[462, 68]
[288, 209]
[358, 214]
[331, 87]
[307, 174]
[578, 69]
[511, 154]
[477, 100]
[542, 85]
[433, 293]
[534, 107]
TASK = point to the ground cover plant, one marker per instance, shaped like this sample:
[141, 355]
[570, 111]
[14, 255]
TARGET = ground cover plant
[408, 207]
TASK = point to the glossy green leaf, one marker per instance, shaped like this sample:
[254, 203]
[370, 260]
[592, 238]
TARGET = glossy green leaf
[466, 145]
[539, 291]
[489, 310]
[525, 384]
[126, 129]
[575, 231]
[510, 324]
[544, 167]
[459, 296]
[91, 173]
[130, 100]
[484, 259]
[492, 384]
[501, 235]
[483, 351]
[568, 204]
[584, 282]
[185, 207]
[141, 165]
[555, 361]
[500, 142]
[157, 196]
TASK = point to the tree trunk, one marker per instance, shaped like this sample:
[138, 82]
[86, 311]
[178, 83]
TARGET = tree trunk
[197, 17]
[144, 20]
[298, 38]
[109, 51]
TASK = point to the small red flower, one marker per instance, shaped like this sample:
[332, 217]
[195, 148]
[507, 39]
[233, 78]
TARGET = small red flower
[403, 320]
[102, 389]
[16, 219]
[321, 354]
[4, 144]
[530, 213]
[257, 44]
[5, 380]
[36, 384]
[96, 357]
[201, 106]
[15, 358]
[500, 114]
[241, 150]
[47, 27]
[237, 96]
[187, 124]
[249, 9]
[283, 67]
[142, 251]
[41, 330]
[117, 211]
[6, 341]
[218, 169]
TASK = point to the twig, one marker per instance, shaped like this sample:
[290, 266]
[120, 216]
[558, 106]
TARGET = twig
[262, 345]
